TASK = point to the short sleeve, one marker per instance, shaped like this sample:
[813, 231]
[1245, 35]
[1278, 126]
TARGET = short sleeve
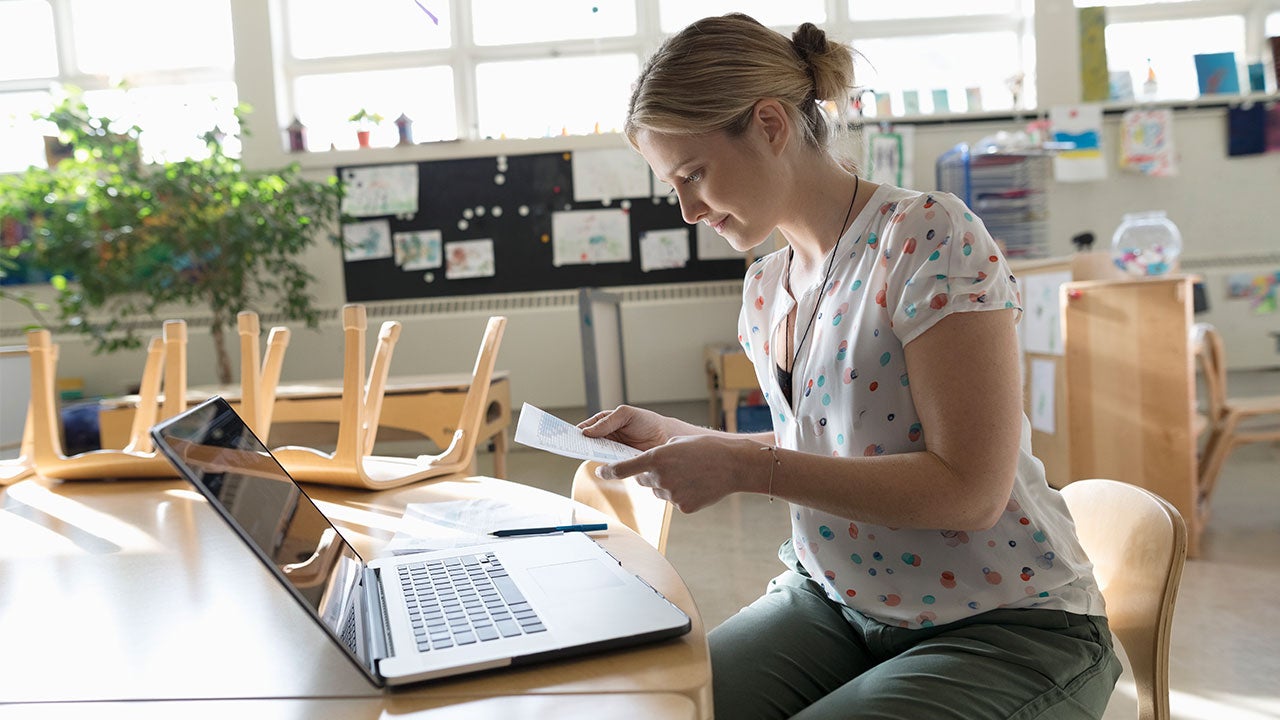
[940, 260]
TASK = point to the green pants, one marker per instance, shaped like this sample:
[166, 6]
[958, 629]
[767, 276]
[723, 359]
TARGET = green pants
[795, 653]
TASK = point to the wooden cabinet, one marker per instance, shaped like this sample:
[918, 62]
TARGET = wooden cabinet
[1130, 387]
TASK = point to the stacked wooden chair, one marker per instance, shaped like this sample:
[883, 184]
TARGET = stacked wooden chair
[352, 462]
[166, 357]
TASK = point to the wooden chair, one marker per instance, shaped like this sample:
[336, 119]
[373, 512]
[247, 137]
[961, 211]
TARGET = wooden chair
[258, 383]
[14, 469]
[1138, 544]
[351, 463]
[625, 501]
[133, 461]
[1225, 414]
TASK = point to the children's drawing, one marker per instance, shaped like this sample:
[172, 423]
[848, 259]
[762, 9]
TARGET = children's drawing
[419, 250]
[469, 259]
[369, 240]
[590, 237]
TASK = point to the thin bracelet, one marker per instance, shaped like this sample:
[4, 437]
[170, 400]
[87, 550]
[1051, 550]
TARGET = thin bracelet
[776, 462]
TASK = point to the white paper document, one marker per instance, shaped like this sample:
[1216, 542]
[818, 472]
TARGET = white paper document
[541, 430]
[462, 523]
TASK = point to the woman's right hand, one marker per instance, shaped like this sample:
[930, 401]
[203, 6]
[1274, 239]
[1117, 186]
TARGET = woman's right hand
[641, 429]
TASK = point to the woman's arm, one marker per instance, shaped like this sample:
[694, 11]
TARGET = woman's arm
[965, 382]
[645, 429]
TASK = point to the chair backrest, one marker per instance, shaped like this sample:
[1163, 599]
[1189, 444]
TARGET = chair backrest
[1137, 542]
[626, 501]
[1210, 355]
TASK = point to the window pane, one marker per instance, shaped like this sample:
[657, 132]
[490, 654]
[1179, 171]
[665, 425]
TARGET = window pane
[127, 36]
[29, 49]
[510, 22]
[173, 118]
[425, 95]
[323, 28]
[926, 63]
[865, 10]
[535, 98]
[1118, 3]
[675, 14]
[1272, 25]
[24, 141]
[1170, 45]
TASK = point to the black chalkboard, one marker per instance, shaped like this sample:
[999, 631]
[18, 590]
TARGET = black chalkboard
[450, 191]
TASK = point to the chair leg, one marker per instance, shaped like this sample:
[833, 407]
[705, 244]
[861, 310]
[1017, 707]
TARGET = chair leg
[1220, 445]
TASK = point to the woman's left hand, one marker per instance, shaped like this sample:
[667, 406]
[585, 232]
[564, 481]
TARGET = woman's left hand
[694, 471]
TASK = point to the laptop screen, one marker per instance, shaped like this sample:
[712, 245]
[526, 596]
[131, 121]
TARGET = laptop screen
[221, 456]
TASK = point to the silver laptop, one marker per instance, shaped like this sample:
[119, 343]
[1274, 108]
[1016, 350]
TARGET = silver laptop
[427, 615]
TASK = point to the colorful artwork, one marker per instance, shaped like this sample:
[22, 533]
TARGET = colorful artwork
[1216, 73]
[1081, 127]
[664, 249]
[469, 259]
[370, 240]
[589, 237]
[1146, 142]
[419, 250]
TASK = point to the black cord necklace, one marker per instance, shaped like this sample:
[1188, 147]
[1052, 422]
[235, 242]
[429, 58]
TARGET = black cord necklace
[784, 376]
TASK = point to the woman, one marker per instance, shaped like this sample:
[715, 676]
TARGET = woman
[931, 571]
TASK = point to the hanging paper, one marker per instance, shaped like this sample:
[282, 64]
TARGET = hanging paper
[609, 175]
[369, 240]
[1095, 83]
[1247, 130]
[1041, 326]
[469, 259]
[664, 249]
[1080, 127]
[381, 190]
[590, 237]
[1146, 142]
[419, 250]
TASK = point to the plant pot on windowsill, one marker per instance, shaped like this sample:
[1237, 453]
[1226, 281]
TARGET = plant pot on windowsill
[365, 122]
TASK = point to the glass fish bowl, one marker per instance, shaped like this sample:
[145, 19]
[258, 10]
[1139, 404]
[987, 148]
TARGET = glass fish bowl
[1146, 244]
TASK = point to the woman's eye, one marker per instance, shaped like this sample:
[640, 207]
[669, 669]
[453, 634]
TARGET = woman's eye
[693, 176]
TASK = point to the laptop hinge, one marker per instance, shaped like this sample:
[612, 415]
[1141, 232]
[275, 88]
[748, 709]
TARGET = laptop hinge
[378, 631]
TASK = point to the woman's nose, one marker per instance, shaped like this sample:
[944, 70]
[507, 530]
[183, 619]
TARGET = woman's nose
[691, 208]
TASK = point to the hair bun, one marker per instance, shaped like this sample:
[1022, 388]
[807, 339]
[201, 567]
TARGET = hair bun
[809, 40]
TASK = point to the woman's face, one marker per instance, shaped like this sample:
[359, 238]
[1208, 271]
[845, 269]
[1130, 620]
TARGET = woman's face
[720, 180]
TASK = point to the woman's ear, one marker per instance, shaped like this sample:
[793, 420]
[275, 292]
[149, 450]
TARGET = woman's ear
[773, 123]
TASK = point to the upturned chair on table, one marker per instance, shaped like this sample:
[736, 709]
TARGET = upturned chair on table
[352, 462]
[166, 356]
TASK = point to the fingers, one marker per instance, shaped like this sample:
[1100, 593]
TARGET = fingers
[594, 419]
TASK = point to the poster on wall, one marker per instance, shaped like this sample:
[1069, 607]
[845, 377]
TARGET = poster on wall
[608, 175]
[380, 190]
[418, 250]
[469, 259]
[368, 240]
[664, 249]
[590, 237]
[1081, 127]
[1146, 142]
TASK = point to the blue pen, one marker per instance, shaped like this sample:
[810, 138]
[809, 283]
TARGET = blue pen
[548, 530]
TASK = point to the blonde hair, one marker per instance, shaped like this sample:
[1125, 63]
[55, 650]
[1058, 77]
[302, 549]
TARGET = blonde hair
[709, 76]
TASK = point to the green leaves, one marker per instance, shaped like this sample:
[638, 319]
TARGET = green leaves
[126, 239]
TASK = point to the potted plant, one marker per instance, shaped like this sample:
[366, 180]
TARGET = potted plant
[365, 121]
[126, 238]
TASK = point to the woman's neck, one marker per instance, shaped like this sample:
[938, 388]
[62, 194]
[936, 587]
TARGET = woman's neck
[824, 205]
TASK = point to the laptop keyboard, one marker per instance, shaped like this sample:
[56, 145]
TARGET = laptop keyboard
[464, 600]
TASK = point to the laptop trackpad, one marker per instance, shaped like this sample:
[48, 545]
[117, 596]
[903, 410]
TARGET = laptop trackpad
[573, 577]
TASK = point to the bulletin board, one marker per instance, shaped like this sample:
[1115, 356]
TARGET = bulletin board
[518, 223]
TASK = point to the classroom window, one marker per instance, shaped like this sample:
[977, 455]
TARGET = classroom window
[675, 14]
[1170, 45]
[544, 97]
[924, 64]
[32, 52]
[126, 37]
[24, 145]
[174, 118]
[341, 28]
[513, 22]
[1273, 27]
[425, 95]
[865, 10]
